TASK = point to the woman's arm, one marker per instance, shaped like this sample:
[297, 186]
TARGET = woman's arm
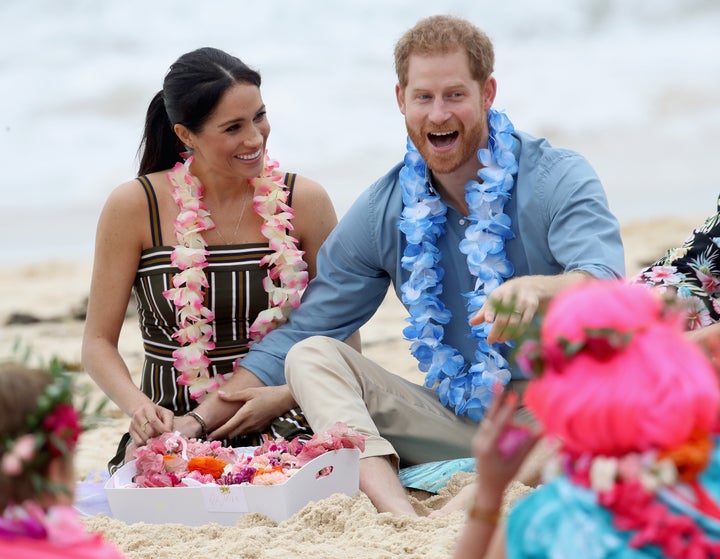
[500, 447]
[315, 218]
[118, 244]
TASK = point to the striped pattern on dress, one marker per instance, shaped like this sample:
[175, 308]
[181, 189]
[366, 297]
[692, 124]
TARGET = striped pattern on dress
[235, 293]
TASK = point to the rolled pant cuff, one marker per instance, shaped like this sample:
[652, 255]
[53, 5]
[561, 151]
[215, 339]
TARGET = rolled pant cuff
[381, 447]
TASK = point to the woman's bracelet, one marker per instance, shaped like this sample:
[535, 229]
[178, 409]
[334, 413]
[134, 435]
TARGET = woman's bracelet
[199, 418]
[485, 515]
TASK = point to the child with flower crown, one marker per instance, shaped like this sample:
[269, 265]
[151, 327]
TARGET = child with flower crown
[634, 405]
[39, 429]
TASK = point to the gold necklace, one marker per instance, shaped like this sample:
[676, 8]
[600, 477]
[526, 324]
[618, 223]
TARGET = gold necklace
[237, 225]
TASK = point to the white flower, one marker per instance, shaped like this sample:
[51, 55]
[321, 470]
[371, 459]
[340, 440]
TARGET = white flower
[661, 473]
[603, 472]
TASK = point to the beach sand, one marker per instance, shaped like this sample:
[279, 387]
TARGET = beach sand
[39, 313]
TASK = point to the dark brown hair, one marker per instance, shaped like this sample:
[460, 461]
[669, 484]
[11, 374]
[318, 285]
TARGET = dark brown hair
[192, 88]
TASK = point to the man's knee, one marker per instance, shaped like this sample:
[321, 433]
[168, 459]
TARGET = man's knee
[310, 345]
[305, 352]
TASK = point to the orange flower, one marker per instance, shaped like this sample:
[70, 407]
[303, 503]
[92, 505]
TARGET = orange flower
[268, 470]
[207, 465]
[690, 457]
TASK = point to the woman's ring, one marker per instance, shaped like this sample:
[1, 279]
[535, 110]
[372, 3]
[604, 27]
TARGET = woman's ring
[145, 425]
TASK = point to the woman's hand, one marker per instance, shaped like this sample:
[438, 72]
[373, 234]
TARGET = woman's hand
[187, 426]
[500, 447]
[259, 406]
[149, 420]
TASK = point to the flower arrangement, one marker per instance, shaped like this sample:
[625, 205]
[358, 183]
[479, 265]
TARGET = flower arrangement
[633, 403]
[172, 460]
[59, 525]
[538, 350]
[286, 262]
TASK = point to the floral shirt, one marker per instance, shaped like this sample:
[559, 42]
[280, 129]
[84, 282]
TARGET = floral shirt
[693, 271]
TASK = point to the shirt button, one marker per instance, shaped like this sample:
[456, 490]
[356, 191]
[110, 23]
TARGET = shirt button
[461, 221]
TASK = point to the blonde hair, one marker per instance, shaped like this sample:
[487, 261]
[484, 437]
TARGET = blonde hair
[443, 34]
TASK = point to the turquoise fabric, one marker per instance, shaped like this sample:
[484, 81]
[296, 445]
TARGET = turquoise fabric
[433, 476]
[562, 520]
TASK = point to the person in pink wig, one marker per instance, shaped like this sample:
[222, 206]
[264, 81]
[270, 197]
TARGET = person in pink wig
[633, 404]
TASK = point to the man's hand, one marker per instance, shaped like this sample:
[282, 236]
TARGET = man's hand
[512, 306]
[258, 407]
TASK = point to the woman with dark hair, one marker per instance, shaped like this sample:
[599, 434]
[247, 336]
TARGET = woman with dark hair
[215, 266]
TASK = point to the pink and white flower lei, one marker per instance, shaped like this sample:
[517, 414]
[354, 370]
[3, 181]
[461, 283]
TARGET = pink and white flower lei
[285, 263]
[190, 256]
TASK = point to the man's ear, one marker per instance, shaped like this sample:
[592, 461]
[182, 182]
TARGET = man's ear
[400, 96]
[489, 92]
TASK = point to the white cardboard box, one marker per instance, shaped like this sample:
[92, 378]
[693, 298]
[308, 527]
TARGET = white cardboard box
[202, 504]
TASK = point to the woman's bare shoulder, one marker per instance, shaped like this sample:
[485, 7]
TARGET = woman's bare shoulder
[309, 191]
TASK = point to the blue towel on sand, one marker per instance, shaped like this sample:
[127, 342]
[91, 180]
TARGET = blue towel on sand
[433, 476]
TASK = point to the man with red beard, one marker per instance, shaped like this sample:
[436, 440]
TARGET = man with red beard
[476, 230]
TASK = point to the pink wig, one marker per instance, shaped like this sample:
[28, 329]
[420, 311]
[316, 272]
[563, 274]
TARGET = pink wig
[631, 380]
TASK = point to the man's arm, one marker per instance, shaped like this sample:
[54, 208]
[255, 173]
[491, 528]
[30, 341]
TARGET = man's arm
[344, 294]
[583, 237]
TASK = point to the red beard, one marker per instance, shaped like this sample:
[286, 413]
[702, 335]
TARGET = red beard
[467, 144]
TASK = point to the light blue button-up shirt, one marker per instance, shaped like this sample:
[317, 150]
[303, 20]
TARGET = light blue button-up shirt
[560, 218]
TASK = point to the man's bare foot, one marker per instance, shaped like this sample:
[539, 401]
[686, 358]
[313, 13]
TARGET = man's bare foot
[379, 481]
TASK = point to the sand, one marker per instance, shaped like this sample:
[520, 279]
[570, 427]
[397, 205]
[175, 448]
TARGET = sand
[43, 301]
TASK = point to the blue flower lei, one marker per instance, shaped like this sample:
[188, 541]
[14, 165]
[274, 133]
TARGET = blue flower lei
[467, 388]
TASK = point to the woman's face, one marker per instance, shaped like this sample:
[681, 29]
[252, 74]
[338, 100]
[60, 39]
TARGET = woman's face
[232, 141]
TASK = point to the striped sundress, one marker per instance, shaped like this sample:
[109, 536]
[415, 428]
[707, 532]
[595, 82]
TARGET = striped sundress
[235, 295]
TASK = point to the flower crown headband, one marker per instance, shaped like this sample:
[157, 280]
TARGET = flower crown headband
[602, 343]
[533, 355]
[51, 430]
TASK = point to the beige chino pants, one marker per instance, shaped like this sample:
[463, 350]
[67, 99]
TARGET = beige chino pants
[332, 382]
